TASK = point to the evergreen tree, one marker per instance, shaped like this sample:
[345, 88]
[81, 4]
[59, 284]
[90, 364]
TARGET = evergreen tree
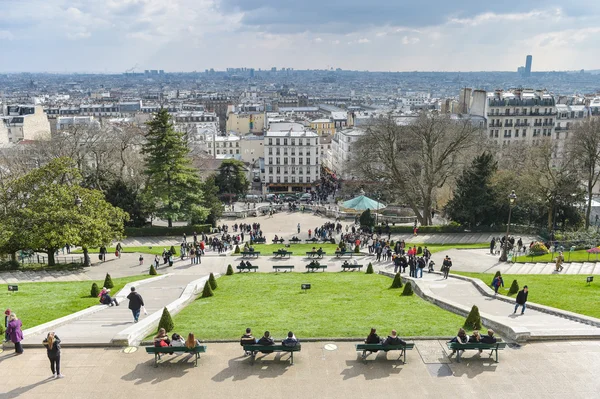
[166, 321]
[397, 283]
[231, 179]
[108, 281]
[514, 288]
[212, 281]
[473, 321]
[207, 291]
[152, 271]
[366, 219]
[211, 202]
[408, 291]
[474, 199]
[369, 268]
[95, 291]
[229, 271]
[172, 181]
[130, 200]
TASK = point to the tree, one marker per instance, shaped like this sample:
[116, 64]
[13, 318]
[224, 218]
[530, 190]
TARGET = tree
[211, 202]
[152, 271]
[414, 161]
[231, 179]
[126, 197]
[584, 148]
[212, 281]
[166, 321]
[207, 291]
[172, 181]
[95, 291]
[407, 291]
[369, 268]
[229, 271]
[474, 200]
[397, 283]
[366, 219]
[473, 320]
[514, 288]
[108, 283]
[42, 214]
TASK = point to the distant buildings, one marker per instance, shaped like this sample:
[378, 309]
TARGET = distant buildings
[526, 70]
[23, 122]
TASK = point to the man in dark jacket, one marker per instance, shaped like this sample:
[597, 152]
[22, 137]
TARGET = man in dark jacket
[266, 340]
[135, 304]
[446, 265]
[521, 300]
[393, 339]
[248, 339]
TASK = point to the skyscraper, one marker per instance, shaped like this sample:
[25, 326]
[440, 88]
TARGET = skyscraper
[528, 65]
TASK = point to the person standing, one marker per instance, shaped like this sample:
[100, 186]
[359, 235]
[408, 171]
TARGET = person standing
[522, 300]
[15, 334]
[559, 261]
[492, 245]
[52, 344]
[446, 265]
[135, 304]
[119, 249]
[298, 228]
[7, 313]
[411, 266]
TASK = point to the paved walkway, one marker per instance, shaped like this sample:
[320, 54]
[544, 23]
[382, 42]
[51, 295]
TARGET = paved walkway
[548, 370]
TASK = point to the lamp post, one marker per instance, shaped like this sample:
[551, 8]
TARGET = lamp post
[377, 213]
[86, 255]
[512, 199]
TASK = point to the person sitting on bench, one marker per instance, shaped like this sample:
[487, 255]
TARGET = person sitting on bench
[248, 264]
[475, 337]
[488, 339]
[247, 339]
[314, 263]
[177, 340]
[266, 340]
[161, 339]
[319, 251]
[461, 338]
[393, 339]
[345, 263]
[314, 250]
[291, 340]
[242, 264]
[373, 338]
[191, 342]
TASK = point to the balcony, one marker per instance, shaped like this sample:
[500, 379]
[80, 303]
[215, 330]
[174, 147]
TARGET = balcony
[495, 124]
[524, 124]
[508, 124]
[548, 124]
[537, 124]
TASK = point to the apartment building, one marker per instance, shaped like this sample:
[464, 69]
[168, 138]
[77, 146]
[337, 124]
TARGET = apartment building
[323, 127]
[245, 122]
[292, 162]
[23, 122]
[224, 146]
[340, 154]
[197, 125]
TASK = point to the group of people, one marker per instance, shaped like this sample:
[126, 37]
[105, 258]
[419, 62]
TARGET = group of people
[498, 243]
[391, 339]
[476, 337]
[266, 340]
[161, 339]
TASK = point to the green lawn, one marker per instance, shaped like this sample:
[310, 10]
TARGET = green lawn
[567, 292]
[38, 303]
[337, 305]
[575, 256]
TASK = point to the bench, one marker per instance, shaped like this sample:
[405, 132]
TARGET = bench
[315, 254]
[272, 348]
[247, 268]
[250, 254]
[312, 268]
[280, 241]
[296, 241]
[339, 254]
[353, 267]
[371, 348]
[284, 267]
[283, 254]
[455, 346]
[259, 240]
[158, 351]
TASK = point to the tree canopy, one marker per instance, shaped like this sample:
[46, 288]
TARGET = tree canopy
[231, 179]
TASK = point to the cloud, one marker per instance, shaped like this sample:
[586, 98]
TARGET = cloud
[363, 40]
[410, 40]
[6, 35]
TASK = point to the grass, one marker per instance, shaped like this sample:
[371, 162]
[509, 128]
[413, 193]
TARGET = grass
[567, 292]
[302, 249]
[575, 256]
[38, 303]
[338, 305]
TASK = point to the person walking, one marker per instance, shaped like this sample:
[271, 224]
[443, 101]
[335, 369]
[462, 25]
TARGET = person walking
[135, 304]
[15, 334]
[492, 245]
[298, 228]
[559, 261]
[446, 265]
[522, 300]
[52, 344]
[118, 250]
[496, 283]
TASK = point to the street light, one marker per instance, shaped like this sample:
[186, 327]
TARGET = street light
[512, 199]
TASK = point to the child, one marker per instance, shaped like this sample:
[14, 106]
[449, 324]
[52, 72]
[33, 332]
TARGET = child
[52, 344]
[141, 259]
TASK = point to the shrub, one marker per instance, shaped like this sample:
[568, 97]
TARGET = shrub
[108, 281]
[514, 288]
[95, 291]
[369, 268]
[408, 291]
[156, 231]
[419, 250]
[229, 271]
[212, 281]
[357, 249]
[152, 271]
[166, 321]
[207, 291]
[397, 283]
[173, 251]
[9, 265]
[538, 248]
[473, 321]
[2, 330]
[237, 249]
[333, 240]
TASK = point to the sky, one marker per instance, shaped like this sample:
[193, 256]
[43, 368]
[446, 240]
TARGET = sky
[376, 35]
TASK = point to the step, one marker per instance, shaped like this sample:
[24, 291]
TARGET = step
[587, 268]
[547, 268]
[528, 268]
[573, 268]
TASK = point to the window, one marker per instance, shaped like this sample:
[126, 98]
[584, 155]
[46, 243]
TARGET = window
[293, 179]
[491, 133]
[285, 179]
[278, 179]
[300, 171]
[278, 169]
[270, 151]
[308, 161]
[277, 151]
[293, 161]
[293, 171]
[276, 141]
[299, 161]
[301, 179]
[270, 169]
[237, 151]
[516, 132]
[299, 141]
[293, 142]
[270, 179]
[557, 135]
[285, 161]
[277, 161]
[284, 141]
[293, 151]
[270, 160]
[218, 151]
[285, 152]
[524, 132]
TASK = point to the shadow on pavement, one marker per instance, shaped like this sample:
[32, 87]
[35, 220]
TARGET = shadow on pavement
[169, 367]
[473, 366]
[375, 369]
[241, 367]
[17, 392]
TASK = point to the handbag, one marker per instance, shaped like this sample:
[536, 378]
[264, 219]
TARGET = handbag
[144, 310]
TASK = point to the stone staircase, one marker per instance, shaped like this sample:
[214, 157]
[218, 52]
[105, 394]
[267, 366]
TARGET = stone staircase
[587, 268]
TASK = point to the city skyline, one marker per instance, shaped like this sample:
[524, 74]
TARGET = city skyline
[184, 35]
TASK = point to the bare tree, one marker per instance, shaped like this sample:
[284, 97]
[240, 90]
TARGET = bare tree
[414, 161]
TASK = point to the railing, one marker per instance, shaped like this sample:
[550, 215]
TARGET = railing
[43, 259]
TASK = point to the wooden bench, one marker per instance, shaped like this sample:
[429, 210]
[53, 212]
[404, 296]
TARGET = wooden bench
[158, 351]
[253, 349]
[280, 241]
[339, 254]
[259, 240]
[315, 254]
[295, 241]
[283, 254]
[250, 254]
[455, 346]
[353, 267]
[247, 268]
[284, 267]
[312, 268]
[372, 348]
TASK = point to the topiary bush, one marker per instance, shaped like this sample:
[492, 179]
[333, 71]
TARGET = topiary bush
[514, 288]
[152, 271]
[172, 250]
[408, 291]
[369, 269]
[229, 271]
[357, 249]
[538, 248]
[108, 281]
[207, 291]
[237, 249]
[473, 321]
[419, 250]
[212, 281]
[397, 283]
[166, 321]
[95, 291]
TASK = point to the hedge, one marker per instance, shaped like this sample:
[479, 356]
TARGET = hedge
[156, 231]
[456, 228]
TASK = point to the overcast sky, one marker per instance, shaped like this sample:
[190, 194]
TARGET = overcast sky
[376, 35]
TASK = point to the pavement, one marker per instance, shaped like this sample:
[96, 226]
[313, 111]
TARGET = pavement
[546, 370]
